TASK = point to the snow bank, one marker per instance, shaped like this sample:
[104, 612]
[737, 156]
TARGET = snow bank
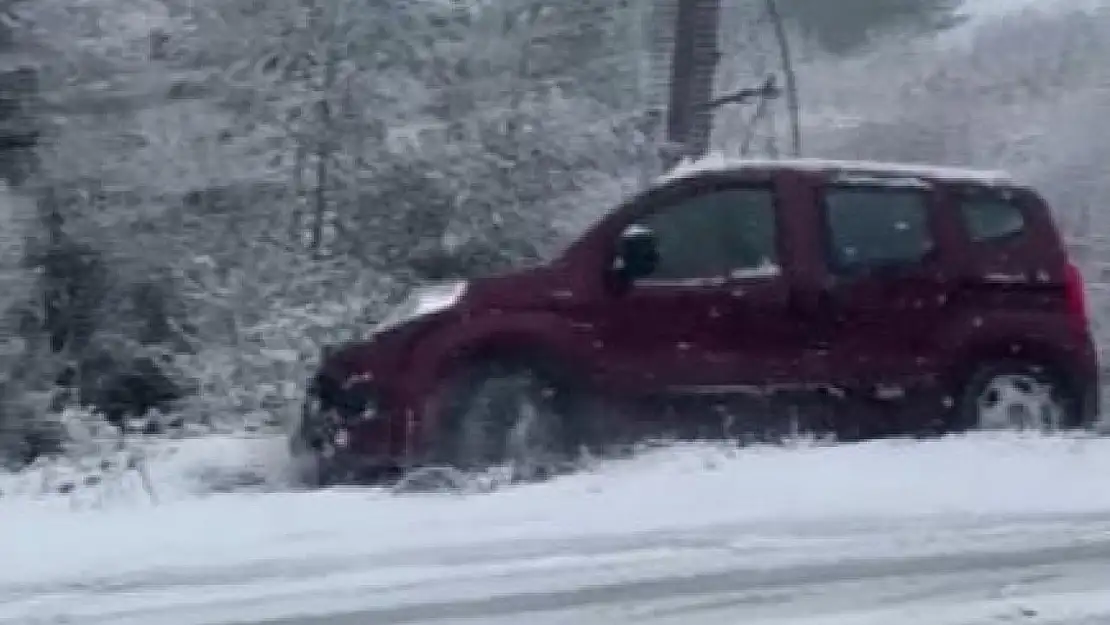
[691, 487]
[172, 469]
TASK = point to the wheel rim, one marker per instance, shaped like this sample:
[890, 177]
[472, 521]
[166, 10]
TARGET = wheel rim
[529, 442]
[473, 450]
[513, 426]
[1019, 402]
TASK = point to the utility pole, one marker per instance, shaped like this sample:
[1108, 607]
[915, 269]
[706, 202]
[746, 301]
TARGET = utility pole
[693, 69]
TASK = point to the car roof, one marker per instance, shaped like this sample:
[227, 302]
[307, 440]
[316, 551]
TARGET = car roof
[887, 172]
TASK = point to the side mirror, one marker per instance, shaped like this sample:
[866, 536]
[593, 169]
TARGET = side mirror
[637, 253]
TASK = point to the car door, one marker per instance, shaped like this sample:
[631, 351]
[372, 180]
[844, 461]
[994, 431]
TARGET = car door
[886, 285]
[709, 318]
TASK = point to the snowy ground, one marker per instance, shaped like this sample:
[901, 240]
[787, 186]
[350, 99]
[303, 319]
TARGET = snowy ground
[987, 529]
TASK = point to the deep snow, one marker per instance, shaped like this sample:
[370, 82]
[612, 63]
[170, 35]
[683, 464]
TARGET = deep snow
[890, 512]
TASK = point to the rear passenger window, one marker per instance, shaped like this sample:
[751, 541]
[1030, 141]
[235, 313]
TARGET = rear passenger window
[990, 219]
[874, 227]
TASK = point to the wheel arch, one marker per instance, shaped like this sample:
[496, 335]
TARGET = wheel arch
[541, 340]
[514, 349]
[1029, 350]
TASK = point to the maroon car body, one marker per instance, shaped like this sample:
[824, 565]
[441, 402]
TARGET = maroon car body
[878, 281]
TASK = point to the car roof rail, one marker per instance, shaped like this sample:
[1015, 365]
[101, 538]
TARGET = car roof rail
[878, 179]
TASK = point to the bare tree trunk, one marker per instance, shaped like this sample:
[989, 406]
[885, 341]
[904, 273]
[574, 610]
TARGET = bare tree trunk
[57, 311]
[321, 199]
[325, 146]
[693, 70]
[298, 221]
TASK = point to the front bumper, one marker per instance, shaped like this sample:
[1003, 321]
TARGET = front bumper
[330, 419]
[333, 449]
[1090, 409]
[348, 431]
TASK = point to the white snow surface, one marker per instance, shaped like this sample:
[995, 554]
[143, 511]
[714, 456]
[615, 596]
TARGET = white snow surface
[717, 162]
[977, 529]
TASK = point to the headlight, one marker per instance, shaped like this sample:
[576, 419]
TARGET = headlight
[422, 301]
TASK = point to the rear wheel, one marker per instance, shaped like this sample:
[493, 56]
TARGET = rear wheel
[1013, 395]
[514, 416]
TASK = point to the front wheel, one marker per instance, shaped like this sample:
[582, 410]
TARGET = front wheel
[1011, 395]
[507, 416]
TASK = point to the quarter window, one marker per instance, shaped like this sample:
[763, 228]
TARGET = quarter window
[990, 219]
[874, 227]
[729, 232]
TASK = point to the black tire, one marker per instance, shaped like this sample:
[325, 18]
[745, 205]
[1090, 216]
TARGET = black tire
[515, 415]
[1053, 403]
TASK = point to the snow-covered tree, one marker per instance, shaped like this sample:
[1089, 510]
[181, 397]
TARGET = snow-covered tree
[260, 174]
[849, 25]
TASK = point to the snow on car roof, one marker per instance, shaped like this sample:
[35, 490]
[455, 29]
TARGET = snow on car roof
[879, 169]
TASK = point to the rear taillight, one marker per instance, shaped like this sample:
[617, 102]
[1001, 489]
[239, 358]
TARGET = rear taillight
[1075, 296]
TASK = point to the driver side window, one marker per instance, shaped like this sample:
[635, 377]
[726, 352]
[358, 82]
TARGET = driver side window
[717, 234]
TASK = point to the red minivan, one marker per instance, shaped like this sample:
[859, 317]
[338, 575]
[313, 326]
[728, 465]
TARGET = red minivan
[742, 299]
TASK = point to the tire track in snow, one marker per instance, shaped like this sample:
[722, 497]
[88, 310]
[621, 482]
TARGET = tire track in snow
[998, 569]
[718, 574]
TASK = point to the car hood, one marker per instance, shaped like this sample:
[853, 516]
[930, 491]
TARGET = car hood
[524, 288]
[541, 287]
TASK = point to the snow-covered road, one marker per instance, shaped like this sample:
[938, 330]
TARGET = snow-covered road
[984, 529]
[711, 580]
